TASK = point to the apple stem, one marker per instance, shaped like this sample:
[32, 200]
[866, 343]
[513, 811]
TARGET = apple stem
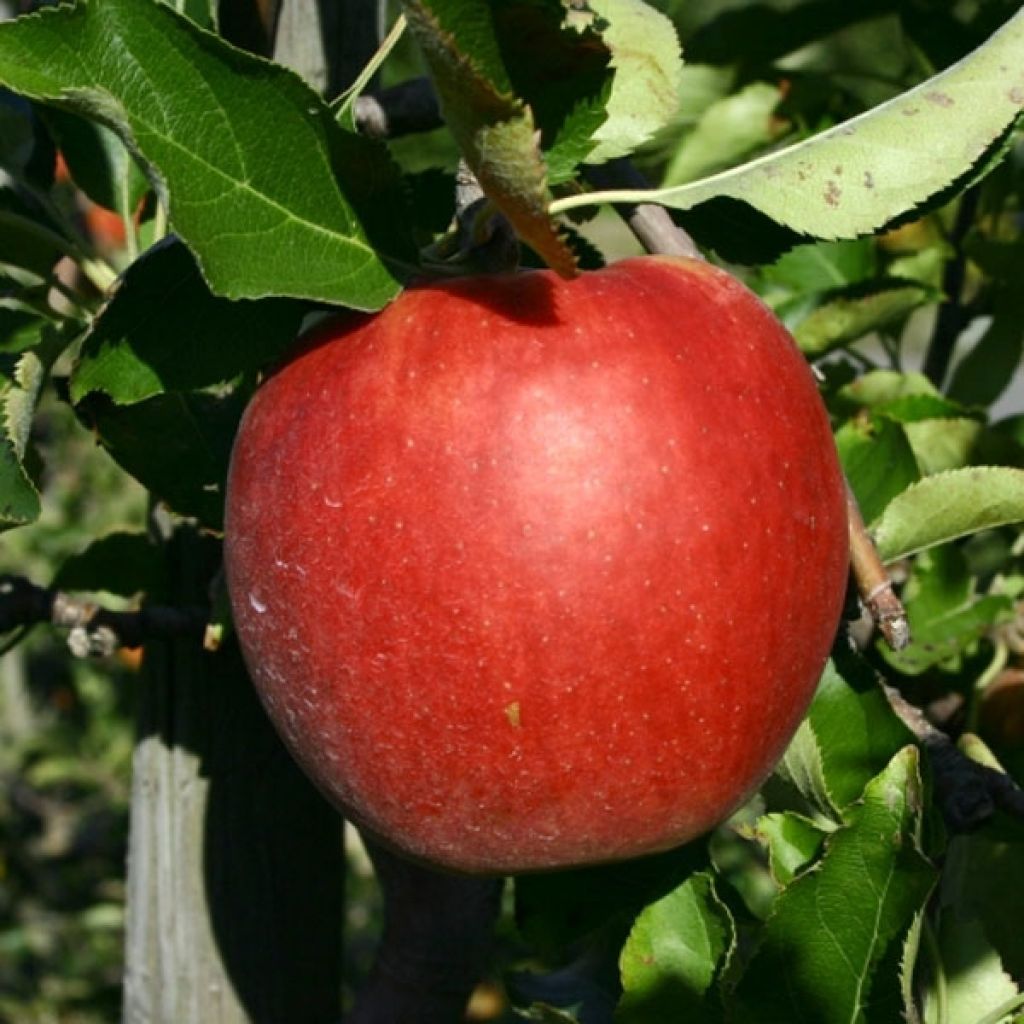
[873, 582]
[968, 792]
[482, 240]
[652, 224]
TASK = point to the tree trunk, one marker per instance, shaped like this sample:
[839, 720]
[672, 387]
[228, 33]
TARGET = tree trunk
[236, 872]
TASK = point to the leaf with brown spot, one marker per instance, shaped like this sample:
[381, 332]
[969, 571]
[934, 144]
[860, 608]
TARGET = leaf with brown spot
[961, 120]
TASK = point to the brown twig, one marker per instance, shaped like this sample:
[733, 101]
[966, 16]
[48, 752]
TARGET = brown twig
[968, 793]
[873, 582]
[654, 228]
[94, 631]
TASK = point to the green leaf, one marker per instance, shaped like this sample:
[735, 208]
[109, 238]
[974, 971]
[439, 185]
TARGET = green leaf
[803, 769]
[164, 331]
[495, 131]
[202, 12]
[119, 563]
[822, 267]
[982, 882]
[849, 734]
[976, 982]
[792, 840]
[848, 316]
[945, 614]
[866, 172]
[977, 901]
[878, 461]
[673, 954]
[913, 408]
[885, 386]
[176, 444]
[943, 444]
[300, 208]
[645, 90]
[831, 926]
[562, 72]
[909, 951]
[22, 376]
[19, 330]
[949, 505]
[728, 131]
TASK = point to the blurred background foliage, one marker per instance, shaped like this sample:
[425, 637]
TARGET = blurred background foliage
[66, 740]
[758, 76]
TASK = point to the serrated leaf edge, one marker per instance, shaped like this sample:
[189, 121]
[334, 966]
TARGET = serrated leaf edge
[878, 532]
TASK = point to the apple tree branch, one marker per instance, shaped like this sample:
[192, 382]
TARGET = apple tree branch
[94, 631]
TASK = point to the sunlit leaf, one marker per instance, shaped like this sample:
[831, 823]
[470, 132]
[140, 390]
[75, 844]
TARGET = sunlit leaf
[950, 505]
[647, 63]
[728, 131]
[223, 132]
[792, 840]
[943, 444]
[846, 317]
[22, 376]
[848, 735]
[866, 172]
[831, 926]
[673, 954]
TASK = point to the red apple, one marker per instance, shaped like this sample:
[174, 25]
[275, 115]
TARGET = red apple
[533, 572]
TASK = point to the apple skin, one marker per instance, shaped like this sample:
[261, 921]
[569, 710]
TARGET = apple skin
[533, 573]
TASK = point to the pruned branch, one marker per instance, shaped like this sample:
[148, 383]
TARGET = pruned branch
[874, 584]
[94, 631]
